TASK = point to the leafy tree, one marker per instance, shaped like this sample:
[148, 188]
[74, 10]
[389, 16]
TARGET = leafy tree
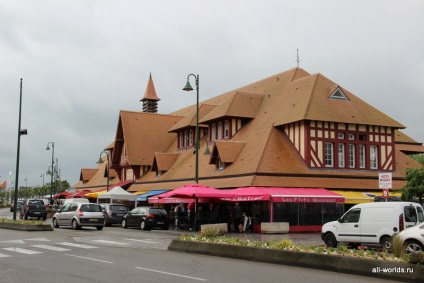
[415, 184]
[418, 157]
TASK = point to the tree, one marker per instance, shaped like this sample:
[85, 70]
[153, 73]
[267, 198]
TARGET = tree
[418, 157]
[414, 184]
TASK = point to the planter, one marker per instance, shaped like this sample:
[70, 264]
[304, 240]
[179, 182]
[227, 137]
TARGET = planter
[26, 227]
[345, 264]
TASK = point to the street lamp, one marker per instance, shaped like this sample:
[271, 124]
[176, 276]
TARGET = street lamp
[196, 144]
[42, 175]
[51, 181]
[20, 133]
[100, 161]
[26, 183]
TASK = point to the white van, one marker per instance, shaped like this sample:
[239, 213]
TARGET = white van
[372, 223]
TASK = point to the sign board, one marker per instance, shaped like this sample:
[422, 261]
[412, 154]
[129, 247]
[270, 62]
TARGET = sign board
[385, 193]
[385, 180]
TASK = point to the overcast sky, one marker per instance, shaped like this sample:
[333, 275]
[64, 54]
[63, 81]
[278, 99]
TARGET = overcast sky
[83, 61]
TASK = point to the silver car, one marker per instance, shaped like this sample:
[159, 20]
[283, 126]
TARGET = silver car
[78, 215]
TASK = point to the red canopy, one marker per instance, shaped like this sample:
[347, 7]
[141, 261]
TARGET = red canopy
[80, 194]
[191, 191]
[61, 195]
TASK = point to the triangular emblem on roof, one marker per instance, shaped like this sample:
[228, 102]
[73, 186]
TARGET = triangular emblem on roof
[338, 94]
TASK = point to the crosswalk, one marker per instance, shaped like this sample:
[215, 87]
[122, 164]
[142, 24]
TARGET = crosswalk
[36, 246]
[34, 249]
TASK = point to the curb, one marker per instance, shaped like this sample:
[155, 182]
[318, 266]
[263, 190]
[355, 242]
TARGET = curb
[344, 264]
[26, 227]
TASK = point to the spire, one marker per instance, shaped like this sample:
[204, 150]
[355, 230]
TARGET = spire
[150, 99]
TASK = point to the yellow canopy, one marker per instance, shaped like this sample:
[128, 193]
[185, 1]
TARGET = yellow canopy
[95, 194]
[353, 197]
[140, 193]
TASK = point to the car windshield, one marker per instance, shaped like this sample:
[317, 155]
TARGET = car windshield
[118, 208]
[91, 208]
[35, 202]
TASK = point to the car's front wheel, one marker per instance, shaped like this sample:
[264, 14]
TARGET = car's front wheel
[330, 240]
[124, 223]
[412, 246]
[55, 223]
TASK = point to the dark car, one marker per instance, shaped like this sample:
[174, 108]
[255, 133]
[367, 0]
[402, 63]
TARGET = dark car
[12, 208]
[146, 217]
[114, 213]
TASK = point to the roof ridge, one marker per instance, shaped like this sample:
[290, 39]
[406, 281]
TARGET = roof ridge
[310, 94]
[149, 113]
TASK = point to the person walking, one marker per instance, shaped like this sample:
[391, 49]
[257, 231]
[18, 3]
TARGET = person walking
[237, 214]
[179, 215]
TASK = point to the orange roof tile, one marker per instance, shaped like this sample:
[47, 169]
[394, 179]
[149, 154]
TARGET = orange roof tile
[164, 161]
[190, 120]
[227, 151]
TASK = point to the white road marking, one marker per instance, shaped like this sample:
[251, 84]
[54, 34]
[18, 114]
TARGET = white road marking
[111, 242]
[14, 241]
[22, 251]
[173, 274]
[144, 241]
[83, 257]
[51, 248]
[38, 239]
[77, 245]
[3, 255]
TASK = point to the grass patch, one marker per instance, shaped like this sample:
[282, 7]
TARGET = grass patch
[26, 222]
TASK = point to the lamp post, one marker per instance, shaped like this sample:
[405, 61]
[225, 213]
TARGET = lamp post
[20, 133]
[196, 144]
[100, 161]
[26, 183]
[42, 175]
[51, 180]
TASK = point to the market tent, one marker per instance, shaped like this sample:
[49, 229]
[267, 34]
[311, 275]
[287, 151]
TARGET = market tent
[95, 194]
[118, 193]
[191, 191]
[62, 195]
[80, 194]
[145, 195]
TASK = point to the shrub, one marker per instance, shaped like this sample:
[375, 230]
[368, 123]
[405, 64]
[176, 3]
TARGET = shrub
[397, 246]
[210, 232]
[283, 244]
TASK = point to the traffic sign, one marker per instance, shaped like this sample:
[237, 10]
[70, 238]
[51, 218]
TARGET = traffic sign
[385, 193]
[385, 180]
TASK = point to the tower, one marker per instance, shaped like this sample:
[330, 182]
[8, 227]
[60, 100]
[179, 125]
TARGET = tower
[150, 99]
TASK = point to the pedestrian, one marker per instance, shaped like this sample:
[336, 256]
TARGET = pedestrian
[179, 213]
[237, 214]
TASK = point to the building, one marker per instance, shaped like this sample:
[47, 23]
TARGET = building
[291, 130]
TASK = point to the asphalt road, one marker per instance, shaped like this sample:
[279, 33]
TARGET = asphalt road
[130, 255]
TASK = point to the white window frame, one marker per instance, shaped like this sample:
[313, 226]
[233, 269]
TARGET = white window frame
[185, 138]
[341, 151]
[373, 157]
[362, 156]
[352, 155]
[181, 139]
[220, 130]
[213, 132]
[329, 154]
[190, 137]
[226, 129]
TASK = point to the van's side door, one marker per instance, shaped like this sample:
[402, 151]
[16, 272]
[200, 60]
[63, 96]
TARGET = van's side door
[348, 229]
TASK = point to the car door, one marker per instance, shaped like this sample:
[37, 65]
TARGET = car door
[61, 215]
[132, 217]
[348, 229]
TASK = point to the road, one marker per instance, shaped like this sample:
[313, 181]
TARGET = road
[130, 255]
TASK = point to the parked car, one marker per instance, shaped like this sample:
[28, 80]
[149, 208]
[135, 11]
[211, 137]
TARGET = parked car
[12, 208]
[372, 223]
[114, 213]
[413, 239]
[33, 208]
[146, 217]
[79, 215]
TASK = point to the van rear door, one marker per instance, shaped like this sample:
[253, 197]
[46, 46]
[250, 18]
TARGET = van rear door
[410, 215]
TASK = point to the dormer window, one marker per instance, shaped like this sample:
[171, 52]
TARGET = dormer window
[181, 143]
[219, 164]
[213, 132]
[226, 129]
[338, 94]
[190, 138]
[219, 130]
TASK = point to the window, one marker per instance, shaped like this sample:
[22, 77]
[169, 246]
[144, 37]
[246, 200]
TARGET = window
[181, 140]
[328, 154]
[373, 157]
[410, 214]
[213, 132]
[341, 136]
[341, 155]
[190, 138]
[185, 138]
[338, 94]
[362, 137]
[361, 156]
[226, 129]
[351, 155]
[220, 131]
[351, 216]
[219, 164]
[352, 137]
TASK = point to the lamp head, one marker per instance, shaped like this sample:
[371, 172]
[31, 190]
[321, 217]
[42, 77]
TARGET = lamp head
[47, 148]
[188, 87]
[207, 151]
[100, 161]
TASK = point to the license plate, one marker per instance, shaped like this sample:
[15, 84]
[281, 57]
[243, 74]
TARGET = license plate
[160, 222]
[36, 212]
[93, 219]
[120, 214]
